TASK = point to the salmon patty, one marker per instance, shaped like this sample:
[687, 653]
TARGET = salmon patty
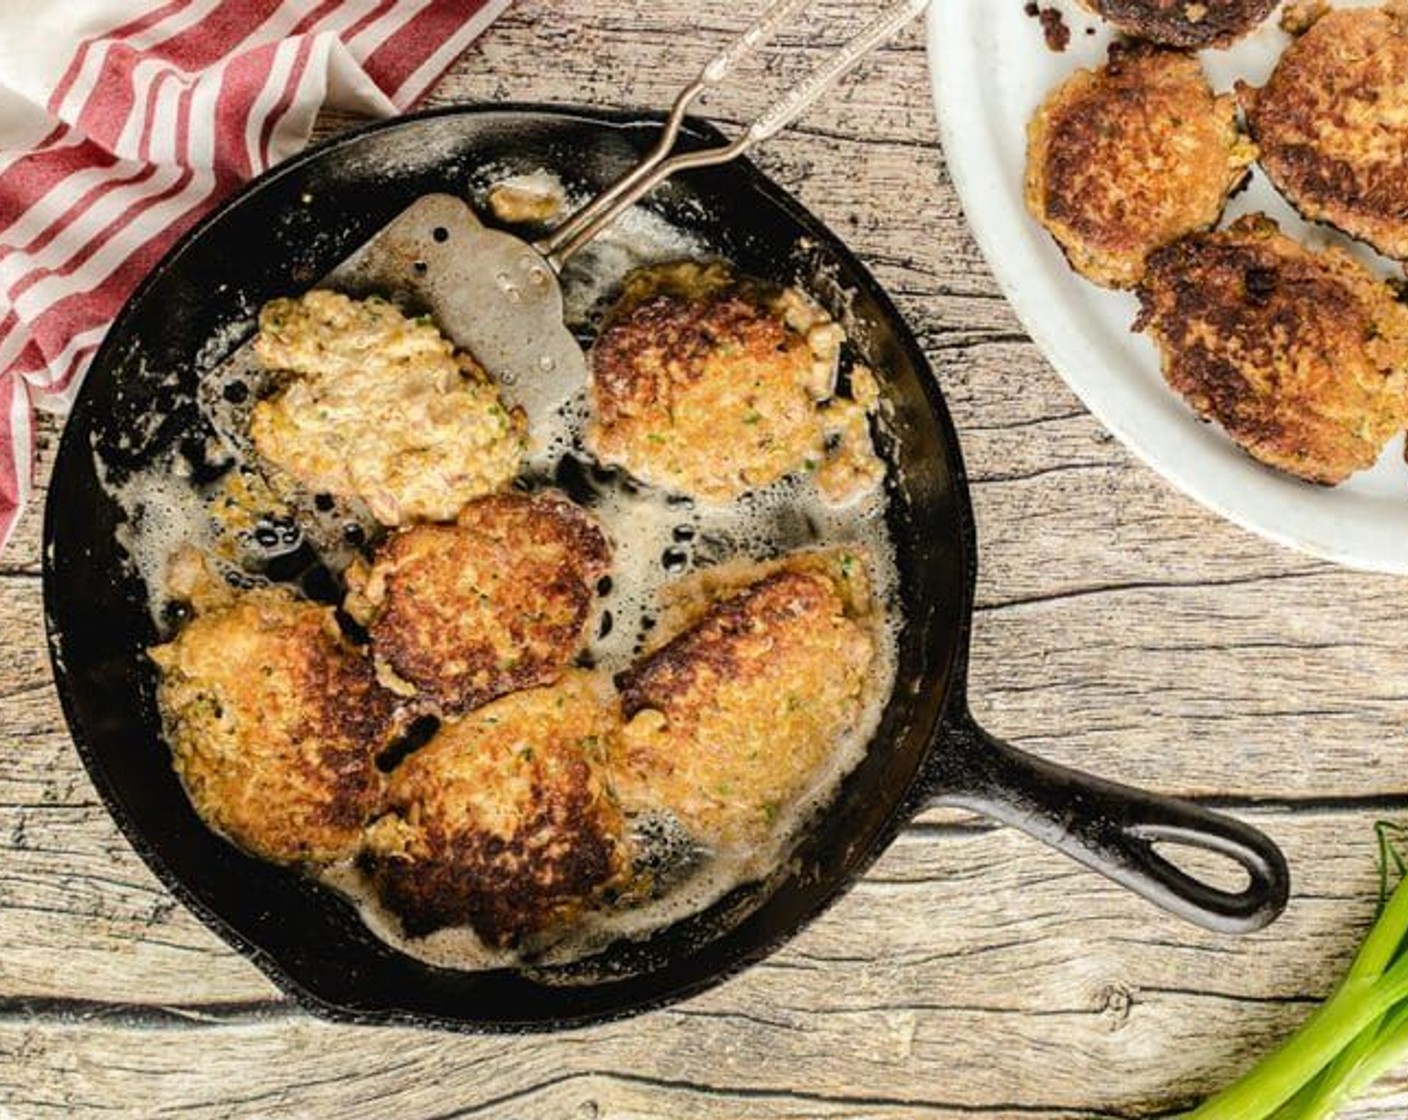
[1190, 24]
[462, 613]
[376, 406]
[274, 722]
[710, 386]
[1332, 124]
[734, 719]
[504, 821]
[1302, 357]
[1130, 157]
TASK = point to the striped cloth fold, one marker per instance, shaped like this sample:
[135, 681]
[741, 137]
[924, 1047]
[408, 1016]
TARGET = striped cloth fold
[123, 121]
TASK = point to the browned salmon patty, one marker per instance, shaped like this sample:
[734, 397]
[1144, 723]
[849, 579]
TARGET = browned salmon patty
[504, 821]
[730, 721]
[700, 386]
[497, 601]
[1130, 157]
[274, 723]
[1191, 24]
[1332, 125]
[1302, 357]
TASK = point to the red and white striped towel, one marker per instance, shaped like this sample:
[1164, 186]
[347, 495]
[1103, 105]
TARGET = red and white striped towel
[122, 121]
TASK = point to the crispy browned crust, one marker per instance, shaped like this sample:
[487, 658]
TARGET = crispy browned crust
[731, 720]
[1300, 356]
[275, 722]
[504, 821]
[1332, 124]
[703, 394]
[725, 643]
[494, 603]
[1127, 158]
[1192, 24]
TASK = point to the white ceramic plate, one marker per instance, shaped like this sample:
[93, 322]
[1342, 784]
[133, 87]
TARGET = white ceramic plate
[991, 68]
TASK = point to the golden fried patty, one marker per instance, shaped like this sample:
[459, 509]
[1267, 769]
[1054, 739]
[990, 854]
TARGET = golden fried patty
[380, 407]
[495, 602]
[1302, 357]
[1193, 24]
[1129, 157]
[709, 387]
[734, 719]
[503, 821]
[1332, 124]
[274, 723]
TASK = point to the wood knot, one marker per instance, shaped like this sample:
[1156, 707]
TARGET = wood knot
[1116, 1001]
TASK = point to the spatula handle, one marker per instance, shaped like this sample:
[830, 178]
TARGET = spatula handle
[777, 16]
[658, 165]
[809, 90]
[716, 70]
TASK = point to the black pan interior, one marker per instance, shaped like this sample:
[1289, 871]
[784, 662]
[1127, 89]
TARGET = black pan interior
[139, 398]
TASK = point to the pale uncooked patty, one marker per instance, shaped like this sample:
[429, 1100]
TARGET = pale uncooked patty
[380, 407]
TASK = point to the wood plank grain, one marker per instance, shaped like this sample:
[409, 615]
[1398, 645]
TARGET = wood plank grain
[970, 972]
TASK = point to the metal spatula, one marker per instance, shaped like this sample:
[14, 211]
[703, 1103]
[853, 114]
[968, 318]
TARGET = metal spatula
[509, 310]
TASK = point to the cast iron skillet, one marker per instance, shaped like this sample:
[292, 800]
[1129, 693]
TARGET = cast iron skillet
[290, 227]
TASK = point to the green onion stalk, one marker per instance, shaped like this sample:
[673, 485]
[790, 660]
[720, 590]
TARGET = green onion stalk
[1355, 1037]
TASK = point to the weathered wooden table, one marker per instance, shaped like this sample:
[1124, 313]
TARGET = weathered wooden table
[972, 973]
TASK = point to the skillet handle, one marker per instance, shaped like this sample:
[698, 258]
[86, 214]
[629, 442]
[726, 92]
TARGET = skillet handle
[1112, 828]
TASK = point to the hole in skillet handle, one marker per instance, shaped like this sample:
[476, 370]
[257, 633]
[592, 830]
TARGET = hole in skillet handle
[1209, 867]
[1113, 829]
